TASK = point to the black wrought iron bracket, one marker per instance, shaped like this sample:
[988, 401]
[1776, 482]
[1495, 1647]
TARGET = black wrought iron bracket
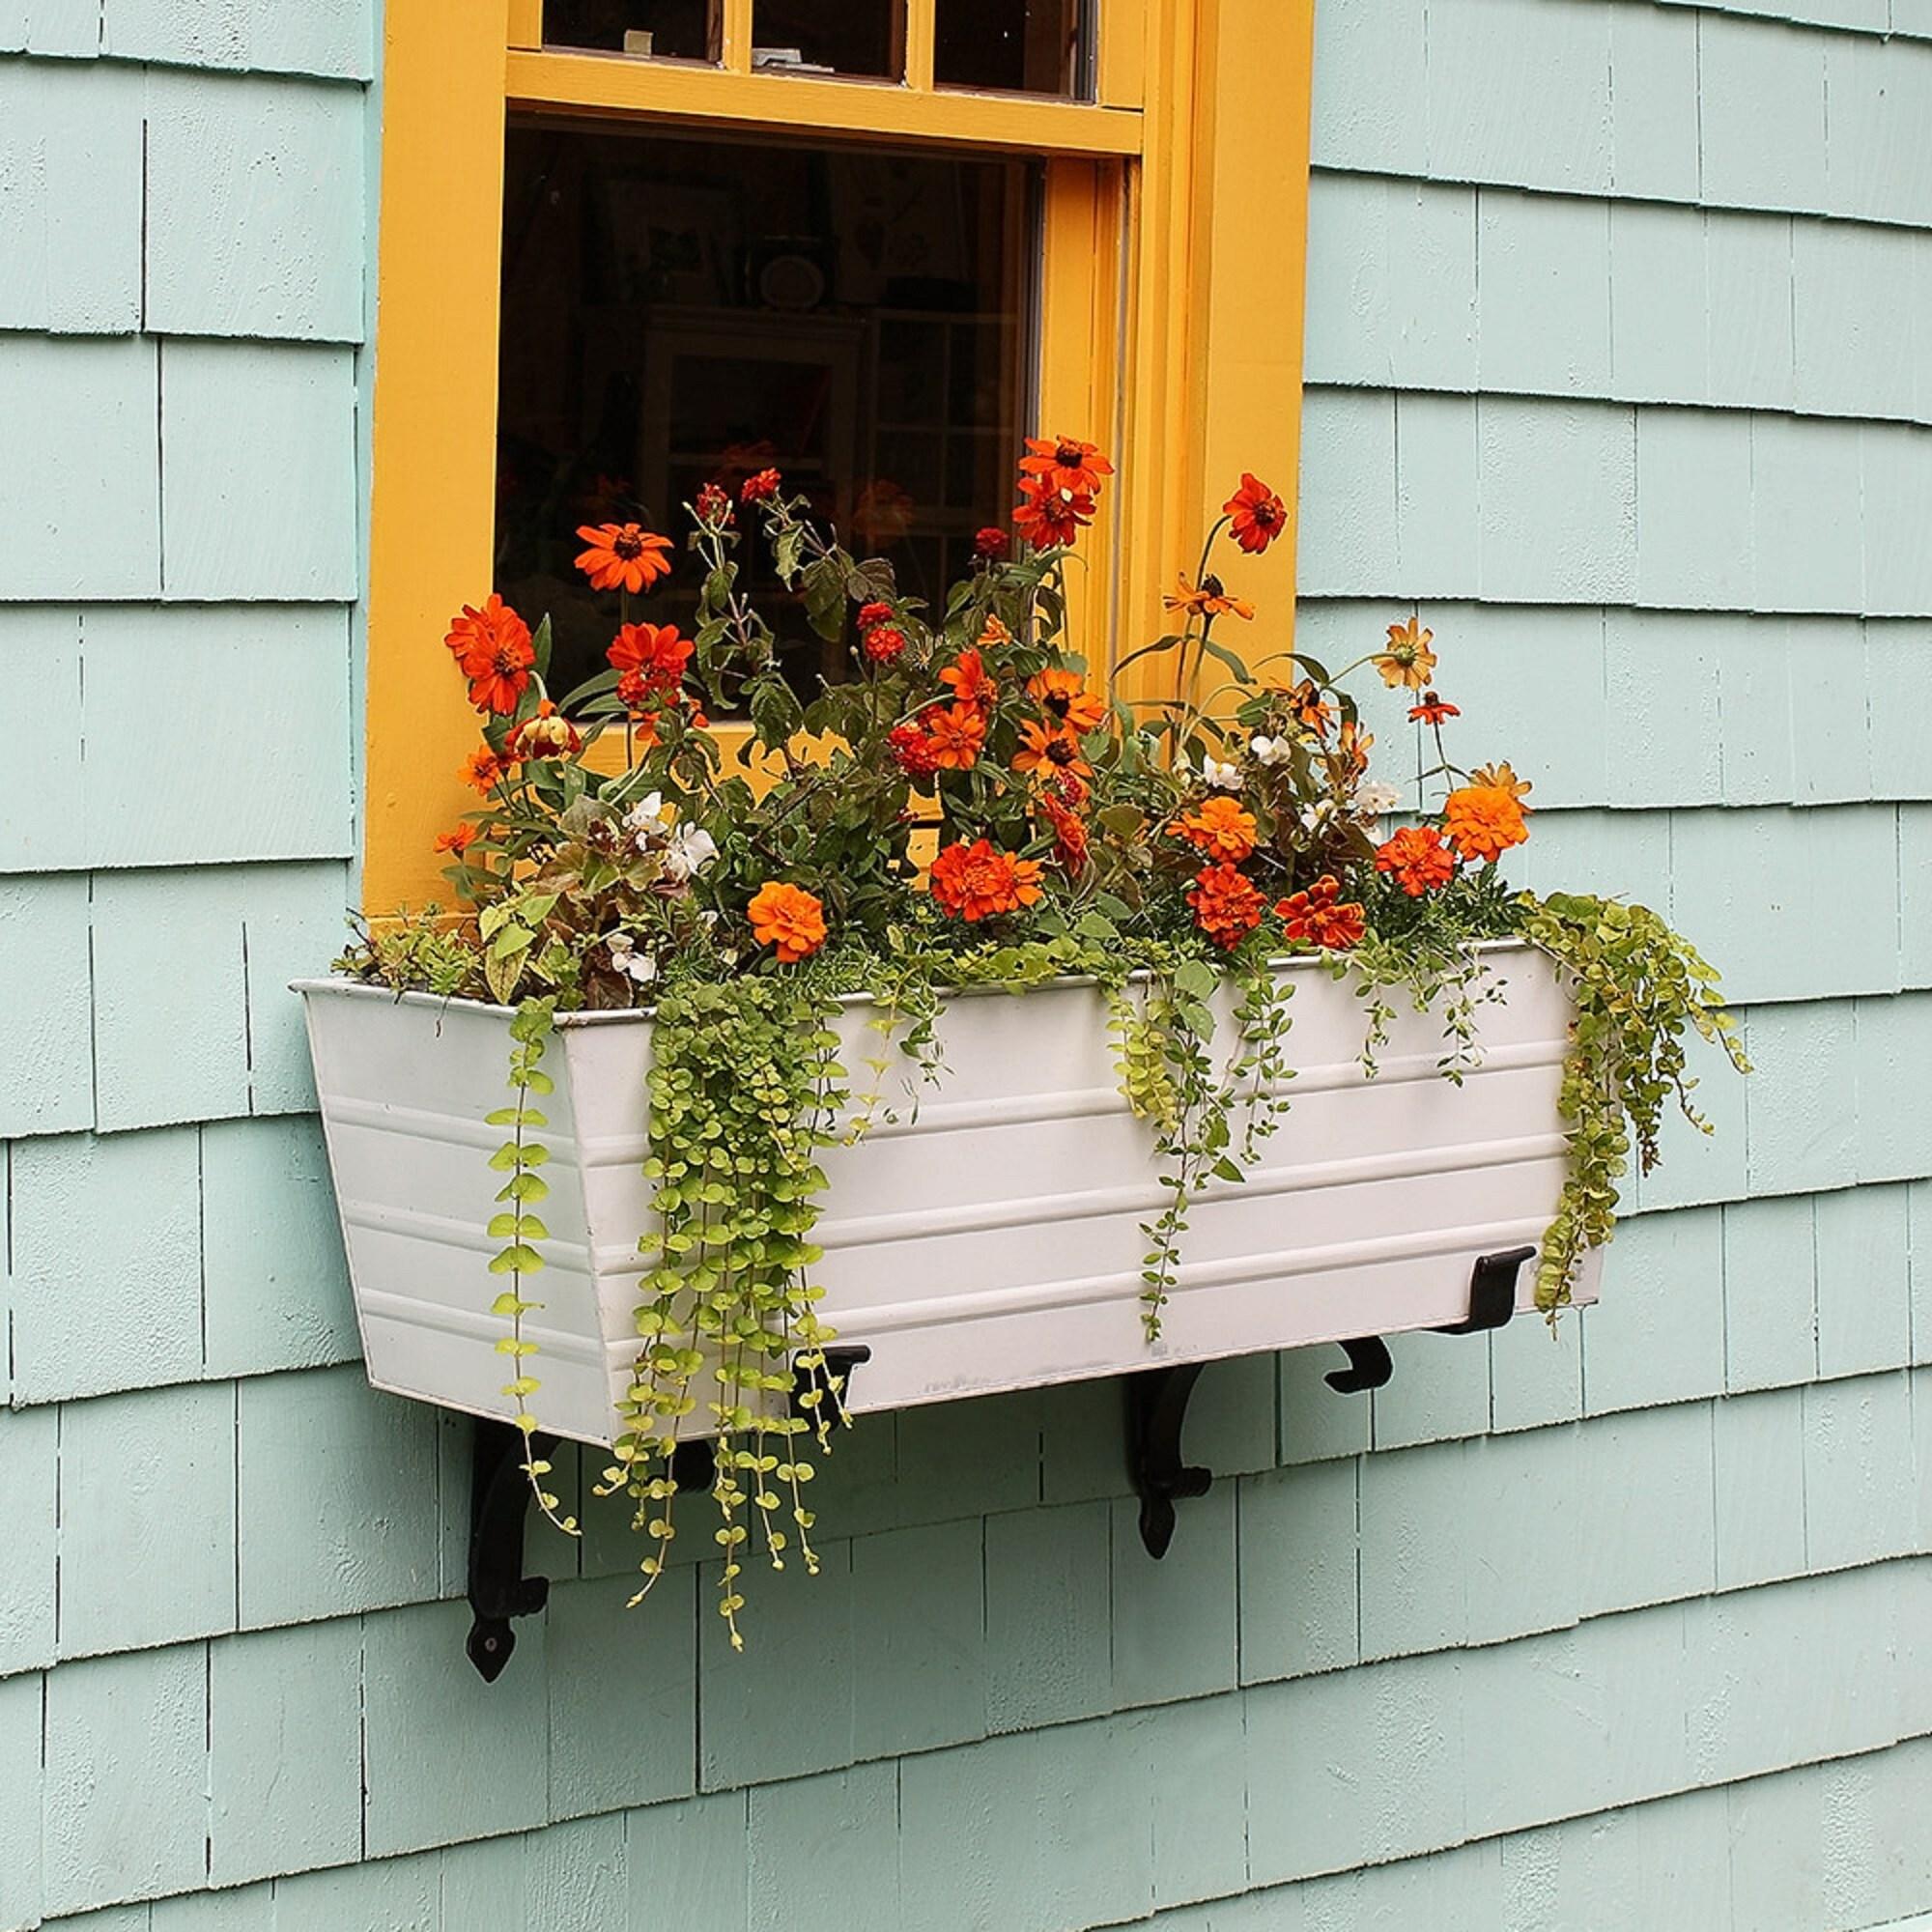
[1492, 1304]
[499, 1500]
[1157, 1398]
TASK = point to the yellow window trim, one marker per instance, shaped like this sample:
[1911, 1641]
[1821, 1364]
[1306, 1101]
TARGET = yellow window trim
[1170, 312]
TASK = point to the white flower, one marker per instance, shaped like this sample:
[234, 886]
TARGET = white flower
[646, 823]
[1315, 816]
[627, 959]
[1220, 776]
[1374, 797]
[1271, 750]
[691, 849]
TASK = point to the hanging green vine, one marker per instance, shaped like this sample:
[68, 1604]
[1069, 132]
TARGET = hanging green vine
[1638, 987]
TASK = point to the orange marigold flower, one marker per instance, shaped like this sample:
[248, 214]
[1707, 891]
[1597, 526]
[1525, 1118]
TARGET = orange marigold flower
[1409, 661]
[1218, 827]
[622, 557]
[1257, 515]
[1314, 918]
[976, 881]
[1208, 598]
[1047, 750]
[493, 649]
[757, 489]
[1483, 820]
[656, 653]
[1047, 516]
[1065, 463]
[1226, 905]
[1418, 858]
[971, 681]
[1433, 710]
[546, 735]
[788, 918]
[482, 769]
[956, 734]
[1503, 779]
[1067, 700]
[456, 842]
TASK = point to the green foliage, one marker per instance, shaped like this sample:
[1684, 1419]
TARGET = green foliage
[1638, 989]
[745, 1089]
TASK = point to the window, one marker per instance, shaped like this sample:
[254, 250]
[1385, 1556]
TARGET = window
[890, 235]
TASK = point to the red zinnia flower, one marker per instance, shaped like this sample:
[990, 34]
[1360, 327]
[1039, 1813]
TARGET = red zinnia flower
[493, 649]
[993, 544]
[1047, 516]
[1259, 516]
[1314, 918]
[1433, 710]
[757, 489]
[656, 653]
[1064, 462]
[622, 557]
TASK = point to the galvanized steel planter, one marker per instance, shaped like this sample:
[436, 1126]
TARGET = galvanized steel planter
[990, 1238]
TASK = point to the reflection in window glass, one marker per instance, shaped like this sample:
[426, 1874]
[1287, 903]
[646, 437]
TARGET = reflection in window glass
[1031, 46]
[667, 29]
[852, 37]
[677, 312]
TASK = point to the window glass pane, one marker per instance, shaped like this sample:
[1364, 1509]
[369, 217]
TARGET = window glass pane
[855, 36]
[1031, 46]
[678, 311]
[667, 29]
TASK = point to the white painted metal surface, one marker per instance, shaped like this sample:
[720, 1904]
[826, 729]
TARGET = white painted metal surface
[989, 1240]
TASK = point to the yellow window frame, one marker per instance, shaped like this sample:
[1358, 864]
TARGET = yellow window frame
[1170, 328]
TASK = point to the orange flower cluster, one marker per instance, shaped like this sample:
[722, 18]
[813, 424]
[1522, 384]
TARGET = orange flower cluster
[976, 881]
[1219, 828]
[493, 649]
[788, 919]
[1483, 820]
[1226, 905]
[1317, 917]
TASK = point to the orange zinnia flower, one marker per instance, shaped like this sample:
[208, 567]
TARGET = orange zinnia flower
[482, 769]
[954, 736]
[970, 681]
[546, 735]
[1065, 463]
[1483, 820]
[1352, 748]
[656, 653]
[1409, 661]
[1226, 905]
[1062, 695]
[1217, 827]
[993, 634]
[1045, 749]
[1258, 515]
[456, 842]
[1310, 709]
[1207, 599]
[788, 918]
[1313, 917]
[976, 881]
[622, 557]
[1047, 516]
[1417, 857]
[1433, 710]
[493, 649]
[1069, 834]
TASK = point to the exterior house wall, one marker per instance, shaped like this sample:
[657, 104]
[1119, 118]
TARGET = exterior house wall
[1619, 360]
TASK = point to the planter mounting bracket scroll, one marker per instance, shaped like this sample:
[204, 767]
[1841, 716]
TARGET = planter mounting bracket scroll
[499, 1500]
[1156, 1410]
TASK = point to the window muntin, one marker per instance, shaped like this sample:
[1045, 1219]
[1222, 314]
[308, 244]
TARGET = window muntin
[679, 311]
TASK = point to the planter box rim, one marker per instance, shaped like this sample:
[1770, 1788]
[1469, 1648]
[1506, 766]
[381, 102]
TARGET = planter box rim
[339, 985]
